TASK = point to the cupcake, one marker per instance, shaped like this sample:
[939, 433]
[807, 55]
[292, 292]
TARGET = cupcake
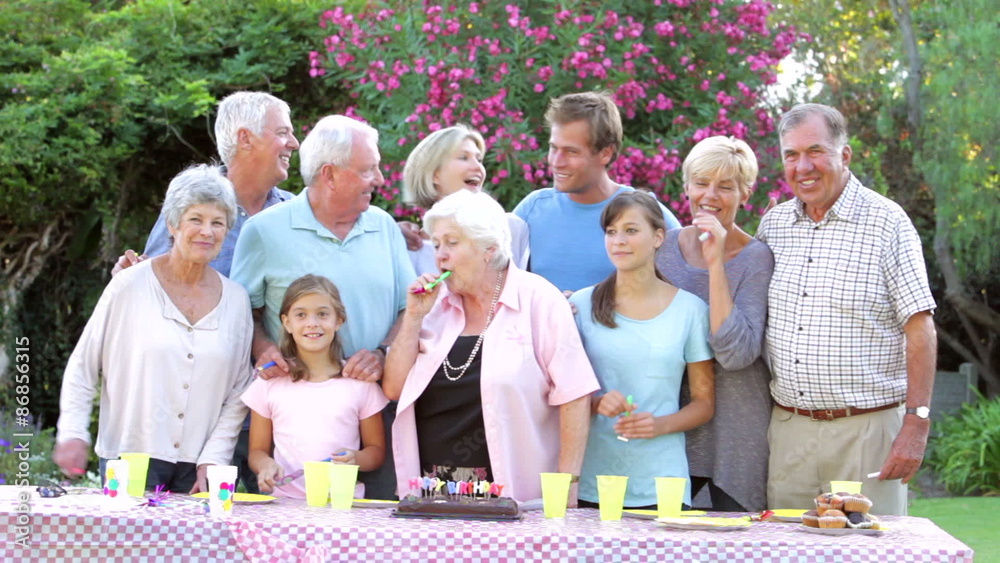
[857, 503]
[828, 501]
[810, 519]
[833, 518]
[862, 521]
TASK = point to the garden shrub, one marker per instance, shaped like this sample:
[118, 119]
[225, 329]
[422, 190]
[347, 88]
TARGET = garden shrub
[964, 452]
[680, 70]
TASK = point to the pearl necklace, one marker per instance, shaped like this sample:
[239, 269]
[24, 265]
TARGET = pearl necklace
[479, 341]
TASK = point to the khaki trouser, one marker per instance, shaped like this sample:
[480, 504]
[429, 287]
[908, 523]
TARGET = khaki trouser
[806, 455]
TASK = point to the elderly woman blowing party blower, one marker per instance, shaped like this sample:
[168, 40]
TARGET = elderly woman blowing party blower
[488, 368]
[170, 337]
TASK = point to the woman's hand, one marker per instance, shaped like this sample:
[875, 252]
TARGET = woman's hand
[71, 457]
[269, 474]
[636, 425]
[201, 481]
[419, 304]
[612, 404]
[713, 248]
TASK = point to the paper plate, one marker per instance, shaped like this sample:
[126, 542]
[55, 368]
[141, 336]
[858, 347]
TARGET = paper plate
[242, 498]
[840, 531]
[651, 514]
[705, 523]
[374, 503]
[788, 515]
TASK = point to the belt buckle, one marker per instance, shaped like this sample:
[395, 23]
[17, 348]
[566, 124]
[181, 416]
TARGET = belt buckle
[824, 415]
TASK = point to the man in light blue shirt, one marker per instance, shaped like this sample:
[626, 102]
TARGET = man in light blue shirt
[255, 139]
[565, 236]
[331, 230]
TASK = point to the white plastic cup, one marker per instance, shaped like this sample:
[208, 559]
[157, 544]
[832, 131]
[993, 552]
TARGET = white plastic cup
[221, 489]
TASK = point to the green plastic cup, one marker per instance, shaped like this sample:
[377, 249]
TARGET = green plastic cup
[611, 494]
[138, 467]
[853, 487]
[669, 496]
[317, 482]
[343, 477]
[555, 493]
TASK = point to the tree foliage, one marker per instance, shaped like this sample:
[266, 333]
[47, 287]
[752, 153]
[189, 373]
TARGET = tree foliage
[103, 103]
[961, 138]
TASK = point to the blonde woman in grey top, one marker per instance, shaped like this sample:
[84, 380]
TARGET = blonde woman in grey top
[719, 262]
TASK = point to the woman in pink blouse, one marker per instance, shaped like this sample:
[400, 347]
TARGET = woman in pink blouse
[491, 377]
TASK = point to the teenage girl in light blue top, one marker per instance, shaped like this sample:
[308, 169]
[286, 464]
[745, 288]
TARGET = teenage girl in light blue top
[640, 334]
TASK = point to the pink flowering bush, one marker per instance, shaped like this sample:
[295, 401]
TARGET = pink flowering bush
[680, 71]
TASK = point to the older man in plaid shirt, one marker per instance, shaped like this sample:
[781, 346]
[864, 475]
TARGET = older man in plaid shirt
[850, 334]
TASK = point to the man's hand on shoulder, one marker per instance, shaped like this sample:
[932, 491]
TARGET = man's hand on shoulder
[366, 365]
[127, 260]
[411, 234]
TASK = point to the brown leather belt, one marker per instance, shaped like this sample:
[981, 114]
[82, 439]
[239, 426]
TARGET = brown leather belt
[833, 414]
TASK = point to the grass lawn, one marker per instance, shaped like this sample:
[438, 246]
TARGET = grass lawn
[973, 520]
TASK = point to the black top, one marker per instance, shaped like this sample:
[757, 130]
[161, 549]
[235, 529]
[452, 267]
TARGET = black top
[449, 417]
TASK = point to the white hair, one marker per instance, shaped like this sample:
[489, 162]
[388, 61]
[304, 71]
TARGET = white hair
[242, 110]
[479, 217]
[330, 142]
[196, 185]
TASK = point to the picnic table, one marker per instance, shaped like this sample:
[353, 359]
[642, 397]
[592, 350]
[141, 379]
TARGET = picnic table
[82, 528]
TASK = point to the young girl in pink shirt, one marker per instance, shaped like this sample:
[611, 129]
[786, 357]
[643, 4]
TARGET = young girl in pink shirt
[315, 413]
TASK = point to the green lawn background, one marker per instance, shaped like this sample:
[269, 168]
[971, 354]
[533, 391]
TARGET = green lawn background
[973, 520]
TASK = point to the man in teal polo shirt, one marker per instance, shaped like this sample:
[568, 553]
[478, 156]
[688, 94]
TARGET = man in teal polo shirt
[330, 229]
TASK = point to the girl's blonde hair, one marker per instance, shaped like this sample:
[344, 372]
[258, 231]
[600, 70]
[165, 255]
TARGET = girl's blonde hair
[307, 285]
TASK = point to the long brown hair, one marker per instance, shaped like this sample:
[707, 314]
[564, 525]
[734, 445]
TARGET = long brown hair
[307, 285]
[602, 301]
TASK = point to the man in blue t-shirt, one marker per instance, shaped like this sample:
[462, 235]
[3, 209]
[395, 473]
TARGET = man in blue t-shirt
[565, 235]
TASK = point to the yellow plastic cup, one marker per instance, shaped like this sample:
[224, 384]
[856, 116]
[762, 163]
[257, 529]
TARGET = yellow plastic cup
[611, 494]
[343, 477]
[555, 493]
[317, 482]
[138, 467]
[669, 496]
[845, 487]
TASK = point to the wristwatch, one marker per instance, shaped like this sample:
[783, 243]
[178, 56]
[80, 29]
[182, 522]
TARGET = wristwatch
[920, 412]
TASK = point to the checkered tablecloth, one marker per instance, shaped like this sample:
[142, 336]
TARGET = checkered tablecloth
[73, 529]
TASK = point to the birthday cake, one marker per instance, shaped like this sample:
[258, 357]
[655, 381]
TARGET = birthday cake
[473, 508]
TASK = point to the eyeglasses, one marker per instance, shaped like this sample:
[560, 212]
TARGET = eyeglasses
[50, 489]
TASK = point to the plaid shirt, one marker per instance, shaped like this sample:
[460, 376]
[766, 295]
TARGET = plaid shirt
[842, 290]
